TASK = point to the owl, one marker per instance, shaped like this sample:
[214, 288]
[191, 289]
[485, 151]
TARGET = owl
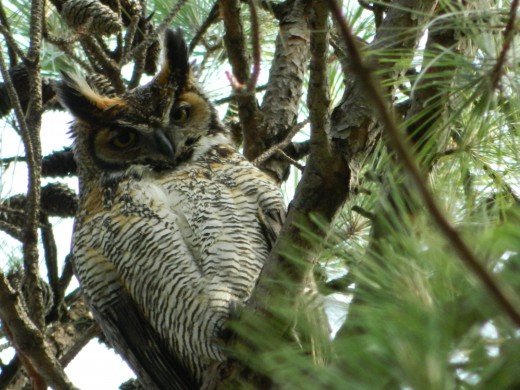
[173, 225]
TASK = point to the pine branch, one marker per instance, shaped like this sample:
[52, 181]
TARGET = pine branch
[208, 22]
[402, 149]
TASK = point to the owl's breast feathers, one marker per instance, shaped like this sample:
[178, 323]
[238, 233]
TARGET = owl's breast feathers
[163, 254]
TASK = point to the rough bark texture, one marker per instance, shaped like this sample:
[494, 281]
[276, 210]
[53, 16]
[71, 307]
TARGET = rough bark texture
[285, 87]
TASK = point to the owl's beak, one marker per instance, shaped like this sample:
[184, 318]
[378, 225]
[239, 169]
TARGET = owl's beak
[164, 145]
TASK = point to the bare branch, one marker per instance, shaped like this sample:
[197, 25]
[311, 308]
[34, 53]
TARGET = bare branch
[13, 49]
[110, 67]
[280, 146]
[65, 45]
[230, 98]
[50, 253]
[210, 19]
[291, 160]
[235, 43]
[509, 34]
[153, 36]
[32, 146]
[12, 230]
[28, 339]
[130, 34]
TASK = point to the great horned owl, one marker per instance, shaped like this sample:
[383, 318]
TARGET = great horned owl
[173, 226]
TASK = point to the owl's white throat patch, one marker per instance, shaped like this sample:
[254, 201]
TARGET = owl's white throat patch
[207, 142]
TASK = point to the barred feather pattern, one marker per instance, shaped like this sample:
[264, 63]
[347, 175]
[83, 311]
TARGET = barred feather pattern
[101, 84]
[186, 244]
[91, 16]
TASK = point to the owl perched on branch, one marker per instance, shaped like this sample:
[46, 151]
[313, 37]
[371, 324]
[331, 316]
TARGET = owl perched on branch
[173, 226]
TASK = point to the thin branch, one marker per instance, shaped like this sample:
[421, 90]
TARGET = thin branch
[363, 212]
[211, 19]
[171, 15]
[280, 146]
[31, 144]
[153, 36]
[139, 67]
[13, 49]
[234, 40]
[12, 230]
[110, 67]
[291, 160]
[299, 150]
[321, 192]
[402, 148]
[325, 173]
[255, 38]
[85, 337]
[65, 278]
[282, 99]
[509, 34]
[230, 98]
[64, 44]
[130, 35]
[27, 338]
[235, 43]
[50, 253]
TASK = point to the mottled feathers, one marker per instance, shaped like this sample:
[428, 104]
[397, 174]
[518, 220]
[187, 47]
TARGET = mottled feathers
[173, 226]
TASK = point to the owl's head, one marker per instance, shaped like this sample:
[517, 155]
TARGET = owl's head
[161, 124]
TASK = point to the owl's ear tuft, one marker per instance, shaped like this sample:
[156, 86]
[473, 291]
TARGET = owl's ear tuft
[176, 69]
[83, 102]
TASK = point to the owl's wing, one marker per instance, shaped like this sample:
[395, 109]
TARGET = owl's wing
[130, 333]
[271, 220]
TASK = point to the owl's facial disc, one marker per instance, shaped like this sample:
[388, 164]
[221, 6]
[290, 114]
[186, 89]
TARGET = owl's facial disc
[119, 147]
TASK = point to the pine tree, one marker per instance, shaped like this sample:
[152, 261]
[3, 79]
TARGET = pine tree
[392, 128]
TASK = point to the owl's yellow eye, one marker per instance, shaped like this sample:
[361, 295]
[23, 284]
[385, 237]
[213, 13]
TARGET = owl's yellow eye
[180, 114]
[124, 139]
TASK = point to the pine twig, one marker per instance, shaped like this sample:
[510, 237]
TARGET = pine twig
[13, 49]
[152, 37]
[230, 98]
[210, 19]
[280, 146]
[509, 34]
[291, 160]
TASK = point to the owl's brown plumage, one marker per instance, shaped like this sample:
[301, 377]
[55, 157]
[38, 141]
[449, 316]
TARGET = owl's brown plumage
[173, 226]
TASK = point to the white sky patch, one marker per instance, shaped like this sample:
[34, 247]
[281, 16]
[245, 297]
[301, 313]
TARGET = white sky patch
[98, 368]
